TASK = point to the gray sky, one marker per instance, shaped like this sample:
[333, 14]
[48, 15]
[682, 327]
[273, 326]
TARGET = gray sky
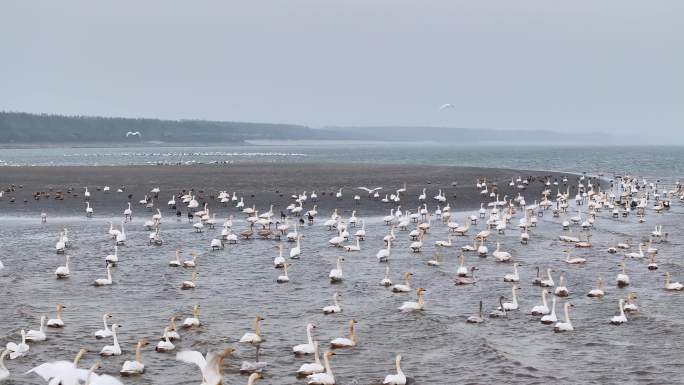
[546, 64]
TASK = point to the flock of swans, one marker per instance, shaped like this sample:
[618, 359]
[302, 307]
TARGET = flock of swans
[463, 237]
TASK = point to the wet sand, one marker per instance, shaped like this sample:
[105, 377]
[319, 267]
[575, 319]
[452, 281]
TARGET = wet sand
[260, 183]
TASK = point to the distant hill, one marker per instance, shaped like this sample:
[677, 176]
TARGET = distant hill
[17, 127]
[25, 128]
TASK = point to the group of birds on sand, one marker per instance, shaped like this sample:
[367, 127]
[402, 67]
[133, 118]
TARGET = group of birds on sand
[629, 197]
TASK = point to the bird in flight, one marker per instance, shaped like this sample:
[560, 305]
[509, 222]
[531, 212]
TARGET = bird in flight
[132, 133]
[445, 106]
[369, 190]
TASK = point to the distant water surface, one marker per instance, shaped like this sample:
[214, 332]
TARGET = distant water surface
[665, 162]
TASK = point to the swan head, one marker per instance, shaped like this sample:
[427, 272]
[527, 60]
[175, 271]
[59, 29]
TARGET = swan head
[329, 354]
[116, 326]
[259, 318]
[227, 352]
[142, 342]
[60, 307]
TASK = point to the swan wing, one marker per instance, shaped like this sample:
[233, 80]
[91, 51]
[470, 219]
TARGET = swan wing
[194, 357]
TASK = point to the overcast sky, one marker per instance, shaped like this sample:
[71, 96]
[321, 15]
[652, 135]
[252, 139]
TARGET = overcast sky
[546, 64]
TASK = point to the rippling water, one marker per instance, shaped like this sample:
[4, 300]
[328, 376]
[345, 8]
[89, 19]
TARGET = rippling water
[438, 346]
[660, 161]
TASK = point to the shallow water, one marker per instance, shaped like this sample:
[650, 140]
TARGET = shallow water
[238, 283]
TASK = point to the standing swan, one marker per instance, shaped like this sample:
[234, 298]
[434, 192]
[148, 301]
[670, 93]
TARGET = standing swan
[396, 379]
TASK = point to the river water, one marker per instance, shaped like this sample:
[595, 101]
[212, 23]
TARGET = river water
[438, 347]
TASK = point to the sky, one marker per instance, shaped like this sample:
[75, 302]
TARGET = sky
[584, 65]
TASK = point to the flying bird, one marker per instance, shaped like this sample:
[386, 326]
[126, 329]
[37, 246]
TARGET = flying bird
[369, 190]
[445, 106]
[131, 133]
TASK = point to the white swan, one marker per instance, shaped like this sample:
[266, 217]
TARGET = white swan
[121, 237]
[105, 281]
[284, 278]
[622, 278]
[335, 307]
[279, 261]
[672, 286]
[60, 372]
[419, 305]
[621, 318]
[296, 251]
[326, 378]
[134, 367]
[113, 258]
[356, 247]
[4, 373]
[106, 332]
[336, 273]
[114, 349]
[37, 335]
[176, 262]
[63, 271]
[406, 287]
[512, 277]
[561, 289]
[191, 284]
[598, 292]
[501, 256]
[312, 368]
[57, 322]
[550, 318]
[384, 254]
[20, 349]
[210, 365]
[542, 309]
[396, 379]
[165, 345]
[513, 305]
[564, 326]
[253, 338]
[308, 347]
[342, 342]
[194, 320]
[386, 281]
